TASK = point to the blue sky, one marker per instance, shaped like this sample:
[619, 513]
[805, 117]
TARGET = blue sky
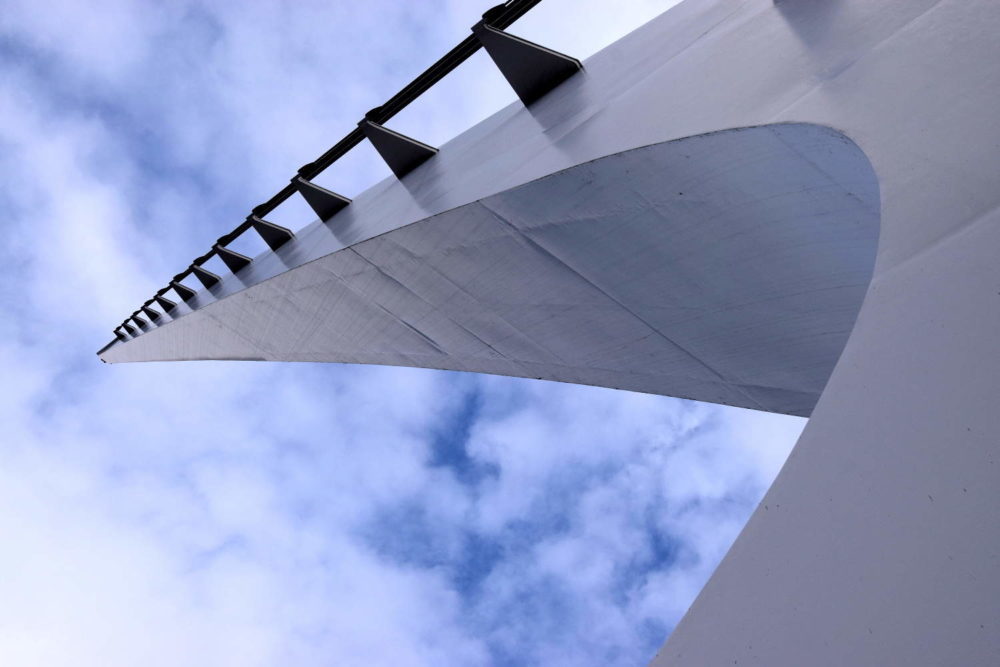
[224, 513]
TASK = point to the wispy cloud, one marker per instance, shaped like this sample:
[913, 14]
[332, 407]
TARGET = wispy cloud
[258, 514]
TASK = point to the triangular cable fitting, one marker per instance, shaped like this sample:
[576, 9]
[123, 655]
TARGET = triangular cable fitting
[152, 314]
[183, 291]
[165, 303]
[322, 201]
[232, 259]
[399, 151]
[206, 277]
[530, 69]
[129, 329]
[274, 235]
[138, 320]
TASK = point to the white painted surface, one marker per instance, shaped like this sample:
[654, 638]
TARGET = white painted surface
[727, 268]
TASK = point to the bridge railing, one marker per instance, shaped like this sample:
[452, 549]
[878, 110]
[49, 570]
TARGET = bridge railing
[531, 70]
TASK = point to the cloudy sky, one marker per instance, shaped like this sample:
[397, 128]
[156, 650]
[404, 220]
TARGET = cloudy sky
[224, 513]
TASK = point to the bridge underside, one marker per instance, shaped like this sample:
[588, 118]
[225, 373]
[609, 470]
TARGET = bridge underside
[728, 268]
[620, 232]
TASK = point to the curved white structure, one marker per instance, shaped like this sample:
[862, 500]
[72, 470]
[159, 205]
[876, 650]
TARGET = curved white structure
[728, 268]
[695, 215]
